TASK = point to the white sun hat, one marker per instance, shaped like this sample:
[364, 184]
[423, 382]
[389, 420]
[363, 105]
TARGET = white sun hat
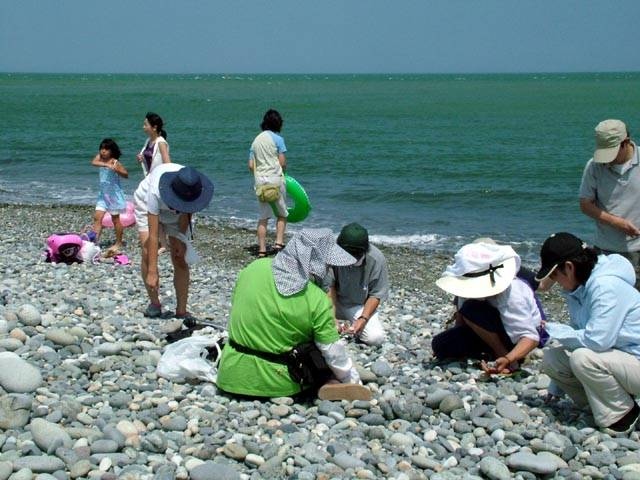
[480, 270]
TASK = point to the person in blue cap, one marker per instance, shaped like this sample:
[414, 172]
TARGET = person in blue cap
[168, 196]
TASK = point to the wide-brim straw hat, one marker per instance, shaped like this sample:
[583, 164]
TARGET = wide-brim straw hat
[480, 270]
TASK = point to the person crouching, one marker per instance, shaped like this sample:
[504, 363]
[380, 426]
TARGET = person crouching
[497, 316]
[277, 305]
[597, 360]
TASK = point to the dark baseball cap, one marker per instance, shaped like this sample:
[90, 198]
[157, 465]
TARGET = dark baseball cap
[556, 249]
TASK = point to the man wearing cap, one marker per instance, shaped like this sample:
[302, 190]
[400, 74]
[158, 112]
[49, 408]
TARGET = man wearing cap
[277, 305]
[610, 192]
[597, 360]
[357, 290]
[168, 196]
[497, 316]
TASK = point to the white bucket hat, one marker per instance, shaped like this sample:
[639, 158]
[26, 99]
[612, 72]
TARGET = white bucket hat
[480, 270]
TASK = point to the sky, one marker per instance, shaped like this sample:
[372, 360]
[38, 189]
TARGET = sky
[326, 36]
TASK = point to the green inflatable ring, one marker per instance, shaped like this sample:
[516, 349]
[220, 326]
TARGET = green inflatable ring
[301, 205]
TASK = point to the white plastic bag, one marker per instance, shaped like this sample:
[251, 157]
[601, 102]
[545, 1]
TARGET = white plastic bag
[186, 359]
[89, 252]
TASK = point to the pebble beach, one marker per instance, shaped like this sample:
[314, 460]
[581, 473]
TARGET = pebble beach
[80, 396]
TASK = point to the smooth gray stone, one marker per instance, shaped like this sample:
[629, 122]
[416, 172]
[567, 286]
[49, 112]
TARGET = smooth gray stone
[372, 419]
[39, 463]
[119, 459]
[235, 451]
[450, 403]
[104, 446]
[532, 463]
[60, 337]
[425, 463]
[434, 398]
[18, 375]
[628, 443]
[22, 474]
[80, 469]
[112, 433]
[120, 400]
[176, 424]
[90, 434]
[5, 470]
[344, 461]
[272, 468]
[29, 315]
[49, 436]
[326, 406]
[510, 410]
[381, 369]
[213, 471]
[601, 459]
[15, 411]
[10, 344]
[106, 349]
[155, 442]
[47, 476]
[628, 459]
[494, 469]
[401, 440]
[570, 452]
[314, 454]
[165, 472]
[366, 375]
[409, 409]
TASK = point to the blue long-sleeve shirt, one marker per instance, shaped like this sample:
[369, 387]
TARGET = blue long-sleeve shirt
[605, 312]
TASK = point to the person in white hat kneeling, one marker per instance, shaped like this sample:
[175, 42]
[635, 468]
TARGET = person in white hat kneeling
[497, 316]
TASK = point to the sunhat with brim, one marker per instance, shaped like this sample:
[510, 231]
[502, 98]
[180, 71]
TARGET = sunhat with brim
[480, 270]
[557, 249]
[185, 190]
[307, 255]
[609, 135]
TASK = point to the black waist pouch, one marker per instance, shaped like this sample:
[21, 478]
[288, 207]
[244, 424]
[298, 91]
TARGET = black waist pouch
[307, 366]
[305, 362]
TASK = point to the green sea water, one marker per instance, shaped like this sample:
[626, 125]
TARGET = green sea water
[429, 160]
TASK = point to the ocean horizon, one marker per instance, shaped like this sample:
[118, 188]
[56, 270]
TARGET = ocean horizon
[425, 160]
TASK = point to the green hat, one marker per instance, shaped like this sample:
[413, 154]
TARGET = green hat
[354, 238]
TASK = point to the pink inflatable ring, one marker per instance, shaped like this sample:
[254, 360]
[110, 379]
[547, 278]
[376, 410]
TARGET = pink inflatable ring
[127, 219]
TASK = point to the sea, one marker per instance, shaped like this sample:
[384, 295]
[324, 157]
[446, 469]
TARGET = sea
[427, 161]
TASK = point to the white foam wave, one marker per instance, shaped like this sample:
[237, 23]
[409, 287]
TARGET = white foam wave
[431, 240]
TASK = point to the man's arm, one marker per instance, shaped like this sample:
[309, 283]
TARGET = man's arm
[589, 208]
[370, 307]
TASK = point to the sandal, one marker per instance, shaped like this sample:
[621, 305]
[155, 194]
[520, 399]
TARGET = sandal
[277, 247]
[262, 254]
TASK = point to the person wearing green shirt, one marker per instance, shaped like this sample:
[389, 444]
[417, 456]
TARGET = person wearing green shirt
[276, 305]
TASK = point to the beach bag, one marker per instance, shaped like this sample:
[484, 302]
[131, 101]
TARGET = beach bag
[268, 192]
[63, 248]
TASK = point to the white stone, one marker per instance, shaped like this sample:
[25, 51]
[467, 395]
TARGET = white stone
[18, 375]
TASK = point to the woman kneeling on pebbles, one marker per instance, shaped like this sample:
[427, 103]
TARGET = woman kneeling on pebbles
[276, 305]
[497, 316]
